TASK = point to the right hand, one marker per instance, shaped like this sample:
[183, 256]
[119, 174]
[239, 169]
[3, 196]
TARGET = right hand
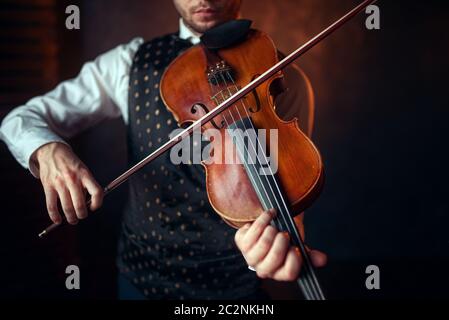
[65, 176]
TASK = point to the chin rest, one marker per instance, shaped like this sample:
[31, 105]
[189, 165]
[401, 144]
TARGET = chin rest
[226, 34]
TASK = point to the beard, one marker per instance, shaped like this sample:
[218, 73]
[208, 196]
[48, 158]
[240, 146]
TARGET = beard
[206, 15]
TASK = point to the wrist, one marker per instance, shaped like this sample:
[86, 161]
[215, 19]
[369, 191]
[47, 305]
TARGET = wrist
[44, 150]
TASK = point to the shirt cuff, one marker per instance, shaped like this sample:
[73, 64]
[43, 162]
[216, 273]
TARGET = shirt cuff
[29, 143]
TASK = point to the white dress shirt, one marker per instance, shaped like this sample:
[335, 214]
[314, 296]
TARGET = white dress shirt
[99, 92]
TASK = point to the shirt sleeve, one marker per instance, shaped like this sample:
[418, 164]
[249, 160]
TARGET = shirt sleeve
[99, 91]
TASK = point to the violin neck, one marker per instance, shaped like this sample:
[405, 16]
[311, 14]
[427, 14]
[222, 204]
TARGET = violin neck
[269, 192]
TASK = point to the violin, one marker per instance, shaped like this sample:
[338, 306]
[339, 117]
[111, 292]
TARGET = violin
[228, 83]
[206, 75]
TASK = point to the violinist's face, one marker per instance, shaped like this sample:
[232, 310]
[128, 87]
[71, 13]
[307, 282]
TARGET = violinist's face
[201, 15]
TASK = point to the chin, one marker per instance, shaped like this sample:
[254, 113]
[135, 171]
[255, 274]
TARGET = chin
[202, 26]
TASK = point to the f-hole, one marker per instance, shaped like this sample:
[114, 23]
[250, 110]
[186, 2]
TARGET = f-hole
[256, 97]
[195, 108]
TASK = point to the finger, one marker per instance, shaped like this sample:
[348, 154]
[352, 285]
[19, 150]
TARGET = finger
[241, 233]
[67, 205]
[51, 199]
[276, 256]
[261, 248]
[319, 259]
[292, 265]
[95, 191]
[78, 199]
[255, 231]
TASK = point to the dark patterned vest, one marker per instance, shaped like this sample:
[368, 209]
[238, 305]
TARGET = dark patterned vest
[172, 245]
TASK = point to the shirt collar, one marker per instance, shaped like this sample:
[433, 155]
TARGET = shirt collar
[186, 34]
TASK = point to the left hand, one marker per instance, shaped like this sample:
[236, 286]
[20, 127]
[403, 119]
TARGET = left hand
[269, 252]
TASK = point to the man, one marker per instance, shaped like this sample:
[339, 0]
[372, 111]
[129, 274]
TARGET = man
[172, 244]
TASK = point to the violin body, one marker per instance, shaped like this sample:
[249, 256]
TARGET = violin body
[185, 87]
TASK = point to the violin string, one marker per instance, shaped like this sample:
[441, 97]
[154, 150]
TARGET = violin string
[305, 284]
[287, 220]
[278, 222]
[305, 275]
[308, 292]
[289, 229]
[227, 124]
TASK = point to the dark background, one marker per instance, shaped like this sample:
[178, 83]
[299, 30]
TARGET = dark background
[381, 126]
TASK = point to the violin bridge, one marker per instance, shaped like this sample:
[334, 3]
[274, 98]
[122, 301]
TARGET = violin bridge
[220, 73]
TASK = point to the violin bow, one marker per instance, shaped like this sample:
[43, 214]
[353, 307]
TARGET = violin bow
[227, 103]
